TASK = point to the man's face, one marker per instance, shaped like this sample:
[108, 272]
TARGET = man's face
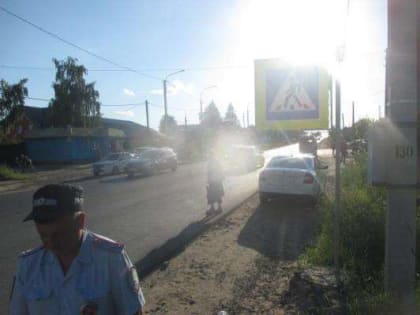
[62, 235]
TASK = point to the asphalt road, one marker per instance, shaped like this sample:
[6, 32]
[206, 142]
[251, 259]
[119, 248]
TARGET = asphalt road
[143, 212]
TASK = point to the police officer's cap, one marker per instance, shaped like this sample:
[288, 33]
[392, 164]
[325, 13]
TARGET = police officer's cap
[53, 201]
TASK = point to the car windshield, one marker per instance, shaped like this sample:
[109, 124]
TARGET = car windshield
[293, 163]
[181, 119]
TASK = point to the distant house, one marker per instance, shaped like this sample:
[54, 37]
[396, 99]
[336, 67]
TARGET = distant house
[136, 135]
[72, 145]
[45, 144]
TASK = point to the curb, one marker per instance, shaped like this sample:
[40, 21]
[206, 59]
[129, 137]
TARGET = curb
[158, 258]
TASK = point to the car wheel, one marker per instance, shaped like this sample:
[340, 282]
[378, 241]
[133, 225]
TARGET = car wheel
[130, 175]
[115, 170]
[174, 168]
[96, 174]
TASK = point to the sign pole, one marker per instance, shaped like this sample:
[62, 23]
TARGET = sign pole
[337, 175]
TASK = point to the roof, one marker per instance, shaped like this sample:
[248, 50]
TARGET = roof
[75, 132]
[39, 118]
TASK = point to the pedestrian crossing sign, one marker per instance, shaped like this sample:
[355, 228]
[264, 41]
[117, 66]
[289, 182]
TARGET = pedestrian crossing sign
[290, 97]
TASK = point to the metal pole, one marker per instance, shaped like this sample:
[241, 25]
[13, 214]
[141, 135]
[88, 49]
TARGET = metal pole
[165, 102]
[337, 176]
[400, 248]
[342, 122]
[247, 115]
[330, 98]
[243, 120]
[352, 122]
[147, 114]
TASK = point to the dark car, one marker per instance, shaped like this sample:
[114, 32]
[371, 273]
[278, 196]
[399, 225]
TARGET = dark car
[152, 161]
[308, 144]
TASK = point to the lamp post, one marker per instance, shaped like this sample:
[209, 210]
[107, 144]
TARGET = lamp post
[201, 100]
[165, 81]
[165, 102]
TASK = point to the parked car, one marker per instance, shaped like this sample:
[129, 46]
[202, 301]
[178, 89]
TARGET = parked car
[151, 161]
[290, 176]
[308, 144]
[113, 163]
[139, 150]
[244, 158]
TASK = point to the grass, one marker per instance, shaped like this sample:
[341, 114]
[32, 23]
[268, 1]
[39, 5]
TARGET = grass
[361, 243]
[6, 173]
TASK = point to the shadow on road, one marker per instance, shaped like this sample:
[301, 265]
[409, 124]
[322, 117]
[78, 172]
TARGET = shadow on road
[159, 256]
[280, 229]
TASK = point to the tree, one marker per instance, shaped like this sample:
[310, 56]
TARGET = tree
[168, 125]
[361, 128]
[211, 116]
[75, 101]
[231, 117]
[12, 101]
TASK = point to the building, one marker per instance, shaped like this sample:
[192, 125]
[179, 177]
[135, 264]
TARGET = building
[68, 145]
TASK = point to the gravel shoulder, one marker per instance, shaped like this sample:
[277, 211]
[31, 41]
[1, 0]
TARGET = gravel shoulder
[247, 263]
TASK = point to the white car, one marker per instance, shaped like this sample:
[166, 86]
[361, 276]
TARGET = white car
[113, 163]
[290, 176]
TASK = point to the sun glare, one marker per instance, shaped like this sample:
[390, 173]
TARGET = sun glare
[298, 31]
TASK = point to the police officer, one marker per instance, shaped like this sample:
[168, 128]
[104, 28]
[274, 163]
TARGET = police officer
[75, 271]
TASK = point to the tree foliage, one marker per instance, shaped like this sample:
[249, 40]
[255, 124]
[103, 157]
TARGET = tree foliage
[12, 101]
[75, 101]
[231, 116]
[168, 125]
[361, 128]
[211, 116]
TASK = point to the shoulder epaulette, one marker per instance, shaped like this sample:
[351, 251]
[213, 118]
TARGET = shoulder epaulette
[30, 252]
[105, 243]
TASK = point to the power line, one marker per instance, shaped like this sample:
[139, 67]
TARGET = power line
[75, 45]
[122, 105]
[191, 69]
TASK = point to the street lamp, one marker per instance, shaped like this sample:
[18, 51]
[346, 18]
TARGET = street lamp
[201, 99]
[164, 90]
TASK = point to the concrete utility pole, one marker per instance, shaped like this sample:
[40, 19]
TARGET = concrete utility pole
[342, 120]
[247, 116]
[147, 113]
[400, 250]
[243, 119]
[352, 119]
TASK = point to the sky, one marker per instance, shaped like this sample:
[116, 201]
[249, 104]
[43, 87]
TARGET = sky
[215, 43]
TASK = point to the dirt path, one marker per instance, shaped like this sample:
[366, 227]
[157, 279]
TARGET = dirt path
[242, 265]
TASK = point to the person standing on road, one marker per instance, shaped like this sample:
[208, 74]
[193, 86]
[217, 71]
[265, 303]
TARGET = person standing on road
[75, 271]
[215, 190]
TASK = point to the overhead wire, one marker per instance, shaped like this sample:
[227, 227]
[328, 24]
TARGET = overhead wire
[57, 37]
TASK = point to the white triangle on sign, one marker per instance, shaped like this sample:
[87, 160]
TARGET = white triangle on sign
[291, 97]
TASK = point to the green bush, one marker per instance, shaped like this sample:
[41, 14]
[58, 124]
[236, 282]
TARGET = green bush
[362, 239]
[6, 173]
